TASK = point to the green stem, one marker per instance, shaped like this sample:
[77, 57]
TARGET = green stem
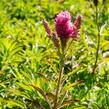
[98, 42]
[69, 45]
[62, 56]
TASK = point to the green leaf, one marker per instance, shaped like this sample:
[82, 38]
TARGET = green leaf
[50, 95]
[69, 102]
[11, 103]
[43, 77]
[68, 87]
[39, 90]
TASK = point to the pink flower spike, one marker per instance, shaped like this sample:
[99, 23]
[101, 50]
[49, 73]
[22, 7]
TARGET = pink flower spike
[64, 26]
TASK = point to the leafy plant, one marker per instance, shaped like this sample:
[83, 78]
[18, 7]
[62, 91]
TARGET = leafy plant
[31, 60]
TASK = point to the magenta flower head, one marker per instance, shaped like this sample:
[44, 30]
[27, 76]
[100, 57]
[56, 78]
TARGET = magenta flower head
[64, 26]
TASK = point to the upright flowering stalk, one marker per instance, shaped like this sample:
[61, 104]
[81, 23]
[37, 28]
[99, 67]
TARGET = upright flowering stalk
[65, 29]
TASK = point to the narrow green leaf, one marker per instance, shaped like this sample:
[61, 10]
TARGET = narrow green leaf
[69, 102]
[50, 95]
[39, 90]
[68, 87]
[43, 77]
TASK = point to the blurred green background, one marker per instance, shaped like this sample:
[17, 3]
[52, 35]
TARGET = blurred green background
[26, 51]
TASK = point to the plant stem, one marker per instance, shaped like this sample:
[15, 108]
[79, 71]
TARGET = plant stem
[98, 42]
[62, 56]
[69, 45]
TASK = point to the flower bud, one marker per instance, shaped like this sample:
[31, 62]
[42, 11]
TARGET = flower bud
[77, 22]
[47, 28]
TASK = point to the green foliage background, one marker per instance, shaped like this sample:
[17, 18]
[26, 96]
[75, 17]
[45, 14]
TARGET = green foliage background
[27, 56]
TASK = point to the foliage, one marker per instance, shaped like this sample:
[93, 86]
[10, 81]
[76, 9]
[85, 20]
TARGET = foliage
[29, 64]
